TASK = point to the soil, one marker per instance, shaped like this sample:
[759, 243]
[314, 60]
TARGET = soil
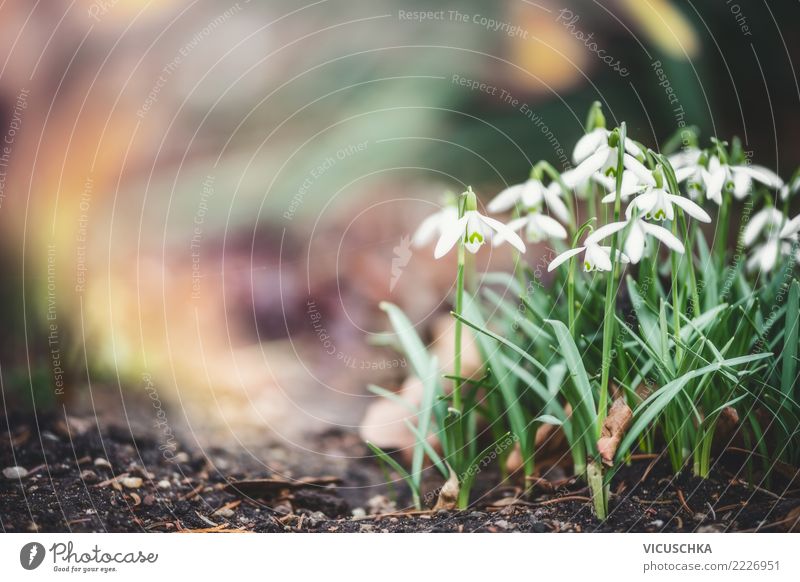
[82, 479]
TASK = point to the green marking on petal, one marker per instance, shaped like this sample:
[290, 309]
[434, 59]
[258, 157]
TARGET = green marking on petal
[475, 236]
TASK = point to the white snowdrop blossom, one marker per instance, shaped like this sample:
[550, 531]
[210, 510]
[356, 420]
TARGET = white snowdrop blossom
[657, 204]
[780, 235]
[687, 157]
[603, 159]
[719, 177]
[635, 242]
[537, 227]
[531, 194]
[434, 225]
[474, 228]
[595, 257]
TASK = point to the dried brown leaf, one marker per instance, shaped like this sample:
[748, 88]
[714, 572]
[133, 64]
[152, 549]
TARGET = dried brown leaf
[614, 427]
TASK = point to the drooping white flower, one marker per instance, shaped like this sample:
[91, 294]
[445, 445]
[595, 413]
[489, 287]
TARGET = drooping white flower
[719, 177]
[781, 235]
[531, 194]
[434, 225]
[657, 204]
[631, 184]
[603, 160]
[635, 242]
[595, 257]
[687, 157]
[474, 228]
[596, 139]
[537, 227]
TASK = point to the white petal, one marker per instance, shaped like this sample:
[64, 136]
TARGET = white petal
[597, 257]
[506, 199]
[645, 176]
[686, 157]
[632, 148]
[607, 182]
[664, 236]
[689, 207]
[715, 180]
[682, 174]
[428, 229]
[532, 194]
[769, 255]
[563, 257]
[588, 144]
[634, 244]
[590, 165]
[514, 225]
[791, 228]
[605, 231]
[501, 229]
[451, 233]
[644, 202]
[549, 226]
[761, 174]
[757, 224]
[556, 204]
[742, 185]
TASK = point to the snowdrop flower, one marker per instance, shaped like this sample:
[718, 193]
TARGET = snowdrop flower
[630, 186]
[657, 204]
[473, 228]
[434, 225]
[791, 188]
[537, 227]
[636, 241]
[603, 159]
[687, 157]
[531, 194]
[597, 139]
[780, 234]
[595, 257]
[720, 177]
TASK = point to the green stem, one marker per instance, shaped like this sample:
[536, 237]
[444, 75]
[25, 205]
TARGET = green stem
[594, 473]
[457, 404]
[676, 305]
[608, 316]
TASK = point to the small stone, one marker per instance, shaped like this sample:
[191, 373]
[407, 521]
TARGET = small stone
[359, 513]
[88, 476]
[502, 524]
[131, 482]
[101, 462]
[164, 484]
[366, 527]
[316, 518]
[15, 472]
[657, 523]
[225, 512]
[181, 457]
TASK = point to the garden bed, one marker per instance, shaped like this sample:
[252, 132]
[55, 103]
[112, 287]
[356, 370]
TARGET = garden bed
[82, 480]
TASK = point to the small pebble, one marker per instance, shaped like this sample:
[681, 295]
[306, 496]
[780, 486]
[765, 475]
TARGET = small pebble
[101, 462]
[131, 482]
[316, 518]
[657, 523]
[181, 458]
[164, 484]
[225, 512]
[359, 513]
[88, 476]
[15, 472]
[502, 524]
[367, 527]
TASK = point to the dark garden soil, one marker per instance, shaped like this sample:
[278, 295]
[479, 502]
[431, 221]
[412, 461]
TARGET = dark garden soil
[80, 479]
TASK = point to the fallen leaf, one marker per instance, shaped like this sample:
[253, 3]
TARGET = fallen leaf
[614, 428]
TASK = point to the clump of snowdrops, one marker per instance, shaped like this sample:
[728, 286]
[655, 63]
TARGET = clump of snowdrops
[674, 307]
